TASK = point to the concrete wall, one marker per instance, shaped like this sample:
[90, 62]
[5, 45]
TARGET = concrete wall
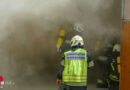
[127, 9]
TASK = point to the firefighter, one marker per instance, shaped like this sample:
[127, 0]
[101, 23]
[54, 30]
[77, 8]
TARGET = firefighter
[74, 66]
[114, 68]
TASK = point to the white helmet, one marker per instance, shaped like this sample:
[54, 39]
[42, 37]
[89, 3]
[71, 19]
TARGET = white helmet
[76, 40]
[117, 48]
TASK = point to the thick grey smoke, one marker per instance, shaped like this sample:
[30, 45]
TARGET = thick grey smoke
[29, 31]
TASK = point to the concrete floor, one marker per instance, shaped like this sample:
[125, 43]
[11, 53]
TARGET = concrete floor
[46, 87]
[93, 87]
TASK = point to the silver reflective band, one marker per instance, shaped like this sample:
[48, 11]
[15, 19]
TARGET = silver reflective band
[62, 62]
[91, 64]
[76, 56]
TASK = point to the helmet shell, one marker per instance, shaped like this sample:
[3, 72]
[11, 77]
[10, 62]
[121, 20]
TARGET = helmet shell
[117, 48]
[77, 40]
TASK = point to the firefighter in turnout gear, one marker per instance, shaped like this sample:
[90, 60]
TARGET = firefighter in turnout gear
[74, 66]
[114, 69]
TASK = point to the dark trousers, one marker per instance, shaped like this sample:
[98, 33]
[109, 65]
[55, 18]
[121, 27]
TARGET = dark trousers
[75, 88]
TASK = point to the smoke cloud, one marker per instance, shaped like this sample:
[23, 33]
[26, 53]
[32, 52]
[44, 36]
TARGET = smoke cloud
[29, 30]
